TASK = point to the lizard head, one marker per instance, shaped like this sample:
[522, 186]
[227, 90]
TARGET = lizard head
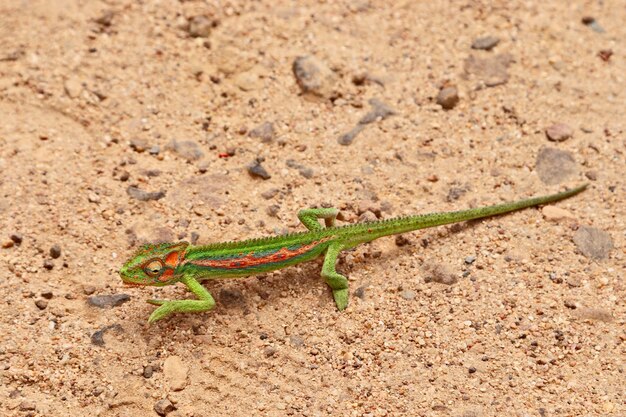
[154, 264]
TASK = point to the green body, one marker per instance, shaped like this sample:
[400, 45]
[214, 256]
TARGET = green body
[169, 263]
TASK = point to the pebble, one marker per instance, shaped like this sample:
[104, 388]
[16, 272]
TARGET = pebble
[269, 194]
[360, 292]
[438, 273]
[379, 111]
[455, 193]
[93, 198]
[269, 351]
[98, 337]
[154, 150]
[314, 76]
[72, 87]
[257, 170]
[593, 24]
[47, 295]
[107, 301]
[348, 137]
[203, 166]
[593, 242]
[89, 289]
[402, 240]
[8, 244]
[491, 71]
[273, 210]
[471, 370]
[200, 26]
[148, 371]
[139, 145]
[470, 260]
[559, 132]
[48, 264]
[27, 406]
[304, 171]
[142, 195]
[486, 43]
[124, 176]
[106, 19]
[605, 54]
[41, 304]
[554, 166]
[594, 314]
[164, 407]
[187, 149]
[175, 372]
[408, 294]
[448, 97]
[553, 213]
[265, 131]
[17, 238]
[55, 251]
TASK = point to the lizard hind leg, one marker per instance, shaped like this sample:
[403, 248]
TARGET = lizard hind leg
[337, 282]
[309, 217]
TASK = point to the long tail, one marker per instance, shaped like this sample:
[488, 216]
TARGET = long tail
[369, 231]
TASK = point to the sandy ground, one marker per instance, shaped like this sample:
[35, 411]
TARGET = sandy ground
[127, 122]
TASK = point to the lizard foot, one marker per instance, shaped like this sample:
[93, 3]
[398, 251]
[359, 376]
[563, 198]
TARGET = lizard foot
[341, 298]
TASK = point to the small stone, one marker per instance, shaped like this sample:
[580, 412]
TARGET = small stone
[455, 193]
[200, 26]
[203, 166]
[269, 194]
[593, 24]
[47, 295]
[148, 371]
[175, 372]
[89, 289]
[139, 145]
[554, 166]
[164, 407]
[594, 314]
[491, 71]
[48, 264]
[439, 273]
[264, 131]
[106, 18]
[27, 406]
[591, 175]
[8, 244]
[194, 237]
[470, 260]
[269, 351]
[93, 198]
[107, 301]
[304, 171]
[605, 54]
[402, 240]
[249, 80]
[41, 304]
[360, 292]
[570, 304]
[379, 111]
[314, 77]
[348, 137]
[593, 242]
[559, 132]
[55, 251]
[448, 97]
[124, 176]
[187, 149]
[257, 170]
[98, 337]
[17, 238]
[142, 195]
[553, 213]
[486, 43]
[154, 150]
[273, 210]
[72, 87]
[408, 295]
[97, 391]
[471, 370]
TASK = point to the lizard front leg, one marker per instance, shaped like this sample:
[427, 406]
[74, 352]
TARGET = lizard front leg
[205, 302]
[309, 217]
[337, 282]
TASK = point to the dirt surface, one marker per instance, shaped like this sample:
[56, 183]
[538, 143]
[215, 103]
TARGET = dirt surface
[126, 122]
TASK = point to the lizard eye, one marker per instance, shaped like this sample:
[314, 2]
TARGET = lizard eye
[154, 267]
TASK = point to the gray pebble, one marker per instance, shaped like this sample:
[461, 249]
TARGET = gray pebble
[360, 292]
[470, 260]
[55, 251]
[98, 337]
[148, 371]
[194, 237]
[257, 170]
[448, 97]
[187, 149]
[455, 193]
[379, 111]
[269, 194]
[491, 71]
[231, 297]
[348, 137]
[106, 18]
[16, 237]
[593, 242]
[107, 301]
[314, 77]
[154, 150]
[264, 131]
[559, 132]
[124, 176]
[142, 195]
[439, 273]
[48, 264]
[273, 210]
[304, 171]
[164, 407]
[593, 24]
[554, 166]
[485, 43]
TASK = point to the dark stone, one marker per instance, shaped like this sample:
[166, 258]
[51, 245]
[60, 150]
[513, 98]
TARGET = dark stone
[107, 301]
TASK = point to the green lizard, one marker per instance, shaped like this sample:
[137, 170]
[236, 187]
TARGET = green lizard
[168, 263]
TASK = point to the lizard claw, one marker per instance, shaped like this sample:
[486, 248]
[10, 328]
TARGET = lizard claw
[156, 302]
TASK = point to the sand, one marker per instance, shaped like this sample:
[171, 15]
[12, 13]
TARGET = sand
[128, 122]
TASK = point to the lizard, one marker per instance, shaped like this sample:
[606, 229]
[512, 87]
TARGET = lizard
[164, 264]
